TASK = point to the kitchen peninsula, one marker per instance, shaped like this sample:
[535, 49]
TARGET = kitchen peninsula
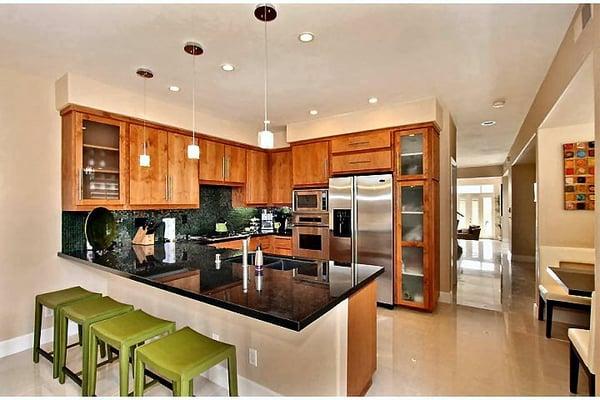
[296, 303]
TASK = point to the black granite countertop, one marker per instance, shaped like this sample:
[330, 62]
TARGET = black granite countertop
[291, 298]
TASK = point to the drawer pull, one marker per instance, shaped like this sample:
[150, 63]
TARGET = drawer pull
[360, 162]
[358, 143]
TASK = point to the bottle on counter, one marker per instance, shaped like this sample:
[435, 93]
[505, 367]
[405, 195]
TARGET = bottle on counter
[258, 258]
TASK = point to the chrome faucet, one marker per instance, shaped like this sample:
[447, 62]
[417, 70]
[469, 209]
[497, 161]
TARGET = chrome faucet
[245, 245]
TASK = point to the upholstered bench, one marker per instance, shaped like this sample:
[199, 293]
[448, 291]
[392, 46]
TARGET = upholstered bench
[582, 345]
[554, 296]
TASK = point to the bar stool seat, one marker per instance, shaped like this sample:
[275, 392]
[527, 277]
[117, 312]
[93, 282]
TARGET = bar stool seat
[122, 333]
[54, 301]
[180, 357]
[84, 313]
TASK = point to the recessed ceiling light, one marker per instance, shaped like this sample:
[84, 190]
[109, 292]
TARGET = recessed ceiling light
[174, 88]
[488, 123]
[373, 100]
[313, 112]
[227, 67]
[499, 103]
[306, 37]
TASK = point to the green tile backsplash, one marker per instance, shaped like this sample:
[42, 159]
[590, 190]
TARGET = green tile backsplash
[215, 206]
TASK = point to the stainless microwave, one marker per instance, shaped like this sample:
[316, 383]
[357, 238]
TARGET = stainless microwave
[310, 200]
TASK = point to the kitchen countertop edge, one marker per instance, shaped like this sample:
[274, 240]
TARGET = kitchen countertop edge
[265, 317]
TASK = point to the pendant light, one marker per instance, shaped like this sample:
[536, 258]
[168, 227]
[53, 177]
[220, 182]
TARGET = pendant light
[145, 74]
[193, 150]
[266, 12]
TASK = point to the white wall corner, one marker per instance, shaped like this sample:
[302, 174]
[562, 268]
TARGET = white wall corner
[25, 342]
[61, 92]
[445, 297]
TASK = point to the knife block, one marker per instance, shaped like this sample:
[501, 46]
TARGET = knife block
[143, 238]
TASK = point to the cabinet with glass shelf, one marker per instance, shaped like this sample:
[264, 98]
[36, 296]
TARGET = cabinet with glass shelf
[417, 217]
[94, 162]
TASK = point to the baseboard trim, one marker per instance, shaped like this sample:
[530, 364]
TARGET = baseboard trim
[25, 342]
[246, 387]
[445, 297]
[521, 258]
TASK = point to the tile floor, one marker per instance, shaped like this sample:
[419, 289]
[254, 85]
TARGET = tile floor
[458, 350]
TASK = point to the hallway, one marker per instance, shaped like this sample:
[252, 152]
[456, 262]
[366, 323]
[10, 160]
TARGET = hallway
[494, 346]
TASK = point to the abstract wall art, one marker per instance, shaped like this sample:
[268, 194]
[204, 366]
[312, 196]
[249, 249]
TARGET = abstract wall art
[580, 193]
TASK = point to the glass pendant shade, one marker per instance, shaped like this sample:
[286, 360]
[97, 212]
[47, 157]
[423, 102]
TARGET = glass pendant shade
[193, 152]
[266, 139]
[144, 160]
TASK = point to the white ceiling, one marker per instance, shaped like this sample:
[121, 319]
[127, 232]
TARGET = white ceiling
[465, 55]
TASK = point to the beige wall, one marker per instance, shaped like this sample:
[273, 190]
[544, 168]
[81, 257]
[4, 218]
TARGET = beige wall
[376, 116]
[557, 226]
[30, 201]
[76, 89]
[447, 211]
[523, 212]
[481, 172]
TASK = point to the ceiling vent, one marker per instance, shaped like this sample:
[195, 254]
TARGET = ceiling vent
[581, 21]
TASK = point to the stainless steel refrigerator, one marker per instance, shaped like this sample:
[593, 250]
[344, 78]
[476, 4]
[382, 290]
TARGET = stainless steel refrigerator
[361, 226]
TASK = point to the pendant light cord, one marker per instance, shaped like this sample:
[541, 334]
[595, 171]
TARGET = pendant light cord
[193, 98]
[266, 70]
[144, 128]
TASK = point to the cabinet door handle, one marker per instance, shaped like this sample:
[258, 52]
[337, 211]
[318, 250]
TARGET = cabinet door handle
[326, 167]
[360, 162]
[166, 187]
[170, 187]
[358, 143]
[80, 188]
[223, 167]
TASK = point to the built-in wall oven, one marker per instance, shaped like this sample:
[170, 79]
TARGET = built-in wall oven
[310, 235]
[310, 200]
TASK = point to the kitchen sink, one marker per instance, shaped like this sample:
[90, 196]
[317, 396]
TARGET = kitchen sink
[283, 264]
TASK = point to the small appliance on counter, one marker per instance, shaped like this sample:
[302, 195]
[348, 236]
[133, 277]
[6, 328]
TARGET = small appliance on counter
[254, 224]
[266, 221]
[170, 235]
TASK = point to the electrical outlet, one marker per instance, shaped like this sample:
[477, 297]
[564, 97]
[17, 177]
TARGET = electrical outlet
[253, 357]
[215, 336]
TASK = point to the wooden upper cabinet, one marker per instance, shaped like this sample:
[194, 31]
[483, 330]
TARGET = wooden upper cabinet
[310, 164]
[94, 162]
[417, 154]
[235, 164]
[257, 172]
[183, 186]
[281, 177]
[379, 139]
[211, 167]
[148, 185]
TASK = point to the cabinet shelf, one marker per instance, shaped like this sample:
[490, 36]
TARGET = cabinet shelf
[410, 273]
[101, 171]
[419, 153]
[413, 212]
[94, 146]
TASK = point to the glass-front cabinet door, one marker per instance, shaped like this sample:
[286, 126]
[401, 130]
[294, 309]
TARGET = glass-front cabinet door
[411, 154]
[411, 241]
[101, 160]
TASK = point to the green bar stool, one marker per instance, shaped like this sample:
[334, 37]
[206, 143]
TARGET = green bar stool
[54, 301]
[84, 313]
[122, 333]
[181, 356]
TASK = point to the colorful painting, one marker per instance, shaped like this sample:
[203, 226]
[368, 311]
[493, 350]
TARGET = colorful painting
[580, 193]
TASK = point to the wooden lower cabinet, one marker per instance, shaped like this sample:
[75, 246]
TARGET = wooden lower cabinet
[362, 340]
[282, 245]
[271, 244]
[231, 244]
[417, 244]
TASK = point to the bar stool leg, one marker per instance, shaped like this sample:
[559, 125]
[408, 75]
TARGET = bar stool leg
[124, 370]
[37, 331]
[232, 373]
[62, 332]
[573, 370]
[184, 388]
[93, 365]
[138, 390]
[86, 359]
[191, 388]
